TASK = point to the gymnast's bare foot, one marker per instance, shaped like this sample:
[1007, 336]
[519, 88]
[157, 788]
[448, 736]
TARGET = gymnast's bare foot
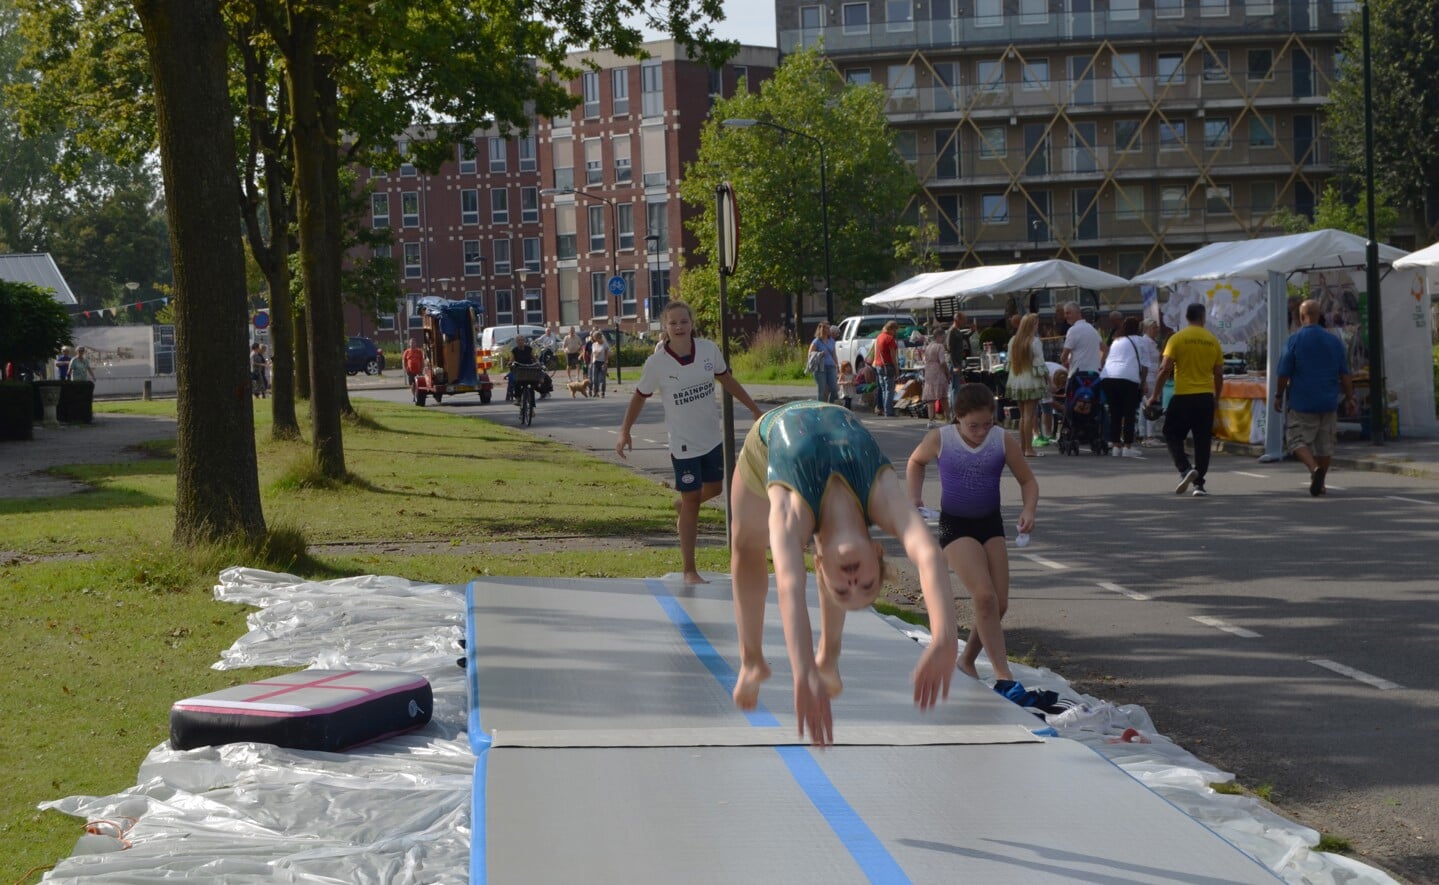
[828, 676]
[746, 687]
[967, 668]
[694, 578]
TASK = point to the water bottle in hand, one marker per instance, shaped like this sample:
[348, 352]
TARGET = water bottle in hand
[1021, 539]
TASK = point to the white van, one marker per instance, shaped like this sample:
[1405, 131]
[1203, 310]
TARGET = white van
[494, 338]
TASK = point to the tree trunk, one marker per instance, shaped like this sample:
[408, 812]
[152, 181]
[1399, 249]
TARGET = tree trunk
[312, 101]
[217, 495]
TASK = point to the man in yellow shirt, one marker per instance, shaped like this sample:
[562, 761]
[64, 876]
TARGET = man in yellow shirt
[1195, 359]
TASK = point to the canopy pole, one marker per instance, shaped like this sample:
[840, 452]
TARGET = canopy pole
[1278, 304]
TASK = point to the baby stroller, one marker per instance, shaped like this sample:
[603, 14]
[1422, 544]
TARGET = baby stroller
[1083, 422]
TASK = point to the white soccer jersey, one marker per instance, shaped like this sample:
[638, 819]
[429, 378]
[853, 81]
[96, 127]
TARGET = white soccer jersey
[687, 389]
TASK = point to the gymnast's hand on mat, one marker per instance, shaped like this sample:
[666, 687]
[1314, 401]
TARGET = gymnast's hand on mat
[811, 708]
[936, 668]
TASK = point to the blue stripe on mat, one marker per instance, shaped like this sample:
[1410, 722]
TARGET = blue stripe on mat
[863, 845]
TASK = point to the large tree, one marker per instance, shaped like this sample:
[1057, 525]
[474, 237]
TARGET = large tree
[1405, 77]
[867, 186]
[217, 493]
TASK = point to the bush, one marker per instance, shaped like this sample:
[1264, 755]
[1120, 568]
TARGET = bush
[771, 357]
[36, 326]
[16, 410]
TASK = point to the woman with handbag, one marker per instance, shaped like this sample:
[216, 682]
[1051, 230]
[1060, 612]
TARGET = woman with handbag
[1028, 378]
[1121, 377]
[821, 363]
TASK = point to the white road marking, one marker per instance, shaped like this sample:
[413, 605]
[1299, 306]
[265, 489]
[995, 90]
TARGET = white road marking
[1254, 475]
[1047, 563]
[1381, 684]
[1227, 628]
[1132, 594]
[1410, 500]
[1327, 486]
[652, 442]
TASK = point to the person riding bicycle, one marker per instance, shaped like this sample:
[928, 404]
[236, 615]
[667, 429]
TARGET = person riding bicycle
[522, 354]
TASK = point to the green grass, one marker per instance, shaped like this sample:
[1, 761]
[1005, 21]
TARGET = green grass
[107, 625]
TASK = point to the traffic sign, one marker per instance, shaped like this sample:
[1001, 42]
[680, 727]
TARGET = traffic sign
[262, 319]
[617, 285]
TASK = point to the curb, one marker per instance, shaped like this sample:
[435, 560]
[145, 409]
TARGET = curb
[1398, 464]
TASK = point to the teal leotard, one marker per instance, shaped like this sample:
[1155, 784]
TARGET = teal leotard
[808, 442]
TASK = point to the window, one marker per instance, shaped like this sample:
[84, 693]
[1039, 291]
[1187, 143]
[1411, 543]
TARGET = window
[500, 205]
[1216, 65]
[716, 84]
[991, 75]
[1218, 200]
[947, 218]
[995, 208]
[1126, 69]
[1213, 8]
[620, 91]
[1261, 197]
[1168, 8]
[529, 204]
[1124, 10]
[1171, 135]
[467, 153]
[625, 224]
[565, 247]
[988, 13]
[413, 269]
[856, 18]
[1129, 264]
[946, 154]
[473, 263]
[529, 154]
[384, 250]
[501, 248]
[499, 155]
[659, 290]
[599, 296]
[741, 74]
[530, 252]
[379, 210]
[410, 209]
[1261, 65]
[621, 147]
[563, 150]
[469, 206]
[903, 94]
[1216, 133]
[1129, 202]
[811, 19]
[594, 162]
[1170, 68]
[504, 307]
[652, 89]
[898, 15]
[1173, 203]
[1033, 12]
[657, 221]
[858, 76]
[1035, 74]
[590, 88]
[1261, 131]
[407, 169]
[1266, 7]
[1128, 135]
[596, 215]
[652, 154]
[993, 143]
[534, 307]
[628, 307]
[946, 79]
[906, 144]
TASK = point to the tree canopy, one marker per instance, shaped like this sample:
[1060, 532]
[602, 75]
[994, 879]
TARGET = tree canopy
[867, 186]
[36, 326]
[1405, 78]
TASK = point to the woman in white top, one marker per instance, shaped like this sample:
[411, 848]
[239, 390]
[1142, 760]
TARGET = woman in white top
[599, 363]
[1149, 358]
[1121, 377]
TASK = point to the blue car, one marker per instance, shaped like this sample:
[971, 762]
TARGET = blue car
[363, 355]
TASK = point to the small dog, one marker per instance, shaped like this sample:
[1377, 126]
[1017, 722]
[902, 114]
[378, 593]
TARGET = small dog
[579, 387]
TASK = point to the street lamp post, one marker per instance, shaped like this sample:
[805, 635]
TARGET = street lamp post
[745, 123]
[613, 240]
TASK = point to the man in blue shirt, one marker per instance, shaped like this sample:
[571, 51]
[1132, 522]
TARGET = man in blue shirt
[1312, 371]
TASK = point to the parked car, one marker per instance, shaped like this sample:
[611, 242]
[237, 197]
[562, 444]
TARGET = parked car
[363, 355]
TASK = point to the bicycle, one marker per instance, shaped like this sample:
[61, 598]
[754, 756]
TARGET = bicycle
[525, 377]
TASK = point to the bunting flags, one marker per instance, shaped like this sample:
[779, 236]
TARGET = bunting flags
[138, 307]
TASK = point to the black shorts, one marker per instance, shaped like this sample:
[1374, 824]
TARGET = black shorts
[980, 528]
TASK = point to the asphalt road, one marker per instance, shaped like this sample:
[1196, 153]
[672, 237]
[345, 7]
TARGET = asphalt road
[1285, 638]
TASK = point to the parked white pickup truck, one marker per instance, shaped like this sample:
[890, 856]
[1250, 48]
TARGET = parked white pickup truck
[854, 336]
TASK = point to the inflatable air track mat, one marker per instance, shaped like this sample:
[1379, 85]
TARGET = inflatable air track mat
[313, 710]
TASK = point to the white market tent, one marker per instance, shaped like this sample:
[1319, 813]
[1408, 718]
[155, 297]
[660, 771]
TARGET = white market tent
[995, 279]
[1272, 260]
[1426, 257]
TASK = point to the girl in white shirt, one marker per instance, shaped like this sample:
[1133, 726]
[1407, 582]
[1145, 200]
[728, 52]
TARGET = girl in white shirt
[1121, 377]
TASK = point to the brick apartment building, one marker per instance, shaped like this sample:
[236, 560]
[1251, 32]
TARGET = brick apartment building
[532, 227]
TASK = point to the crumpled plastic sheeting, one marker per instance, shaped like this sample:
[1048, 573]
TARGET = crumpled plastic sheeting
[1171, 771]
[396, 811]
